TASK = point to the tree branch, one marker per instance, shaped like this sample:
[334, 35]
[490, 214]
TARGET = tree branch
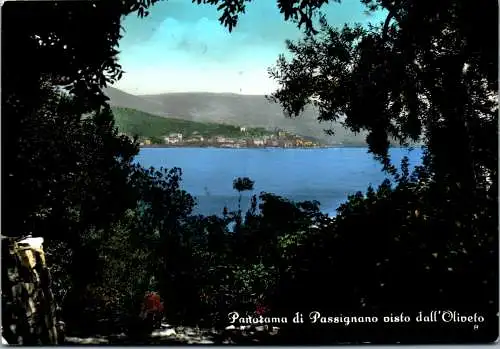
[392, 14]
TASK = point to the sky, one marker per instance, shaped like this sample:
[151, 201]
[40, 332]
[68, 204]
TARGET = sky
[182, 47]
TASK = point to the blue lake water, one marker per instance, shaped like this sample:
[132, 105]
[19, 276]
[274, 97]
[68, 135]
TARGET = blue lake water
[327, 175]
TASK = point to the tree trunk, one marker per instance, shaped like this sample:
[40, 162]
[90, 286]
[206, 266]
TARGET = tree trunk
[28, 314]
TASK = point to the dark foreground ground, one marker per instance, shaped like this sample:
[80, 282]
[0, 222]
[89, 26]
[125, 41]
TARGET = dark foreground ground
[184, 335]
[169, 335]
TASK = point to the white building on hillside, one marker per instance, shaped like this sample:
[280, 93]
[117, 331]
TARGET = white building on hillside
[176, 135]
[258, 142]
[173, 138]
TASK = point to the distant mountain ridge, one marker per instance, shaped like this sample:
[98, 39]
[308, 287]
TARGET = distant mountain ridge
[233, 109]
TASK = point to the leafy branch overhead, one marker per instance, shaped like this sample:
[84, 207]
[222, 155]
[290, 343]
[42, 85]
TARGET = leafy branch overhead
[300, 12]
[430, 74]
[85, 61]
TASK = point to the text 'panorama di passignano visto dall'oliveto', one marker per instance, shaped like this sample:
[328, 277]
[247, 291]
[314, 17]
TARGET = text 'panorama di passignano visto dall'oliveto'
[316, 317]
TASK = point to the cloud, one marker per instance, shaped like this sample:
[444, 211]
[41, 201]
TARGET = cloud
[151, 80]
[176, 42]
[183, 47]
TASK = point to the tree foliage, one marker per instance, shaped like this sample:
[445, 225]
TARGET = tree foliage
[426, 241]
[300, 12]
[429, 71]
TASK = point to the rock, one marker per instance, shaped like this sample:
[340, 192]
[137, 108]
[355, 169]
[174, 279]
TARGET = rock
[164, 333]
[190, 332]
[35, 243]
[27, 289]
[91, 340]
[239, 328]
[205, 341]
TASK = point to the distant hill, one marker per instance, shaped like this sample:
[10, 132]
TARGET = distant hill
[135, 122]
[118, 98]
[233, 109]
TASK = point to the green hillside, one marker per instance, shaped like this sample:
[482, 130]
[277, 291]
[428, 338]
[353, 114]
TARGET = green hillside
[134, 122]
[234, 109]
[220, 114]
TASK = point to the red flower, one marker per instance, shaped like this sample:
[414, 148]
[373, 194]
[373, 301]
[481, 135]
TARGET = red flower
[261, 309]
[152, 303]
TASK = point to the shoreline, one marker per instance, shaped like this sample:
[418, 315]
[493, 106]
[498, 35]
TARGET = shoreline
[246, 147]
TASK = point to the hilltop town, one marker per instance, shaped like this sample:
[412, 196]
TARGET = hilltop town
[278, 139]
[158, 131]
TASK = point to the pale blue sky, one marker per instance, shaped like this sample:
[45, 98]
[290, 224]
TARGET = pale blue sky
[182, 47]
